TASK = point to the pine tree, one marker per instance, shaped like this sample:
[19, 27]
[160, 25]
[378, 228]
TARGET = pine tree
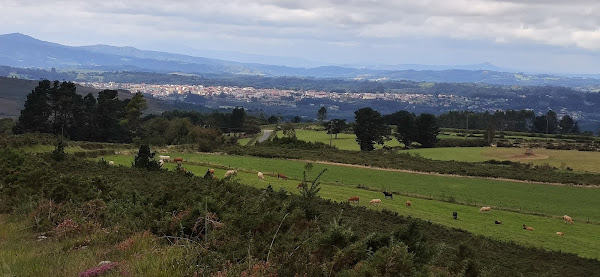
[145, 159]
[36, 113]
[369, 128]
[427, 130]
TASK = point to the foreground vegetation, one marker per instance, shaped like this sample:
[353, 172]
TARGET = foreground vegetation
[93, 212]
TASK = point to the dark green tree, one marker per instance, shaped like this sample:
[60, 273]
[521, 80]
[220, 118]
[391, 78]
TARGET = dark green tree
[406, 129]
[133, 111]
[369, 128]
[427, 130]
[145, 159]
[296, 119]
[66, 106]
[273, 120]
[36, 113]
[552, 122]
[289, 130]
[238, 117]
[566, 124]
[322, 114]
[108, 113]
[336, 126]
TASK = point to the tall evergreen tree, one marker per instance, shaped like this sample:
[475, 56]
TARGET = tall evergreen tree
[406, 131]
[566, 124]
[322, 114]
[65, 104]
[133, 111]
[36, 113]
[108, 112]
[427, 130]
[369, 128]
[145, 159]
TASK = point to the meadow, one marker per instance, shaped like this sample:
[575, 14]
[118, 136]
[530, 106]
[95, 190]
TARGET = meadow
[345, 141]
[577, 160]
[537, 205]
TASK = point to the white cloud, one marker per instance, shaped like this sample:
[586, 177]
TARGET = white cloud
[352, 24]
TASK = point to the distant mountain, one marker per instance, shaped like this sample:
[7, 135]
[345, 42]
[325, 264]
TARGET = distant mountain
[20, 50]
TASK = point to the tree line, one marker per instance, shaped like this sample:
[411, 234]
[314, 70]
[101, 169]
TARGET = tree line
[511, 120]
[57, 108]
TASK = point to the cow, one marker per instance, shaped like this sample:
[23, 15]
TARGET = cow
[210, 174]
[560, 233]
[300, 185]
[568, 219]
[164, 158]
[178, 160]
[354, 199]
[527, 228]
[455, 215]
[279, 175]
[111, 163]
[408, 203]
[388, 194]
[230, 173]
[261, 176]
[376, 202]
[497, 222]
[161, 163]
[485, 209]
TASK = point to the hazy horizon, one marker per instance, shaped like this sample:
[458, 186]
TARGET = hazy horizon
[534, 36]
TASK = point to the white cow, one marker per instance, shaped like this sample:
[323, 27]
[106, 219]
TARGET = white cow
[164, 158]
[230, 173]
[111, 163]
[261, 176]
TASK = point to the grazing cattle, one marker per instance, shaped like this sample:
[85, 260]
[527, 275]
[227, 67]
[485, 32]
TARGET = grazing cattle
[261, 176]
[161, 163]
[568, 219]
[560, 233]
[375, 202]
[408, 203]
[230, 173]
[388, 194]
[164, 158]
[354, 199]
[527, 228]
[455, 215]
[279, 175]
[485, 209]
[300, 185]
[210, 174]
[178, 160]
[111, 163]
[497, 222]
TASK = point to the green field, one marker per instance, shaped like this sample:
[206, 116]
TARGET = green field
[577, 160]
[344, 141]
[506, 198]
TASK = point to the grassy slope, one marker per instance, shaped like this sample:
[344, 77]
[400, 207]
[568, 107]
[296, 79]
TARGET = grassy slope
[578, 160]
[580, 239]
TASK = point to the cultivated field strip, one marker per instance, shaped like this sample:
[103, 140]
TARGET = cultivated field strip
[580, 238]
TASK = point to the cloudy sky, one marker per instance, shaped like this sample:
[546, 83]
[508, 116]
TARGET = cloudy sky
[529, 35]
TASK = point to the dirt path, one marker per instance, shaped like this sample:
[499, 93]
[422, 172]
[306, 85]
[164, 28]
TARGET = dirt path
[265, 135]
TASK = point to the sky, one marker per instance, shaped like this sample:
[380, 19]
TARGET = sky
[554, 36]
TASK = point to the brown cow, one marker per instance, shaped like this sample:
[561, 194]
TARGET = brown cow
[300, 185]
[279, 175]
[527, 228]
[178, 160]
[568, 219]
[560, 233]
[408, 203]
[354, 199]
[376, 202]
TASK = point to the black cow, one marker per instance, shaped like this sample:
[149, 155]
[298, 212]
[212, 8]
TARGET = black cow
[388, 194]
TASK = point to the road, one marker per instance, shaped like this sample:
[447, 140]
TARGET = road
[265, 135]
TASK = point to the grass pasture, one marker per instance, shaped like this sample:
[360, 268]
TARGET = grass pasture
[577, 160]
[340, 182]
[343, 142]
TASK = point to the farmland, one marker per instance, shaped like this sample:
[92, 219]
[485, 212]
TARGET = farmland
[577, 160]
[514, 203]
[344, 141]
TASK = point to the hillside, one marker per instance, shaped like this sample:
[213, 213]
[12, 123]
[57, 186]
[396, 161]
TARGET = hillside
[149, 226]
[24, 51]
